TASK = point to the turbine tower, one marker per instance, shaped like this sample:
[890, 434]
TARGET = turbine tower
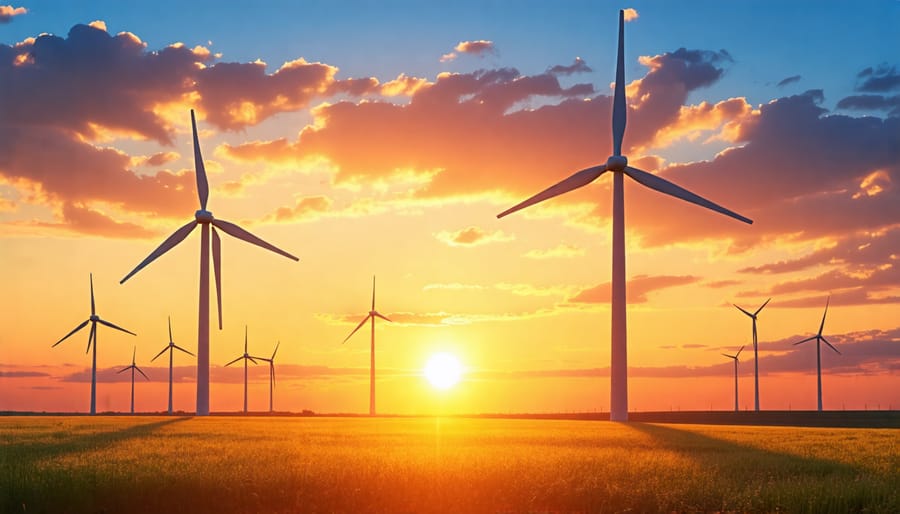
[92, 342]
[204, 218]
[246, 358]
[755, 353]
[819, 340]
[271, 361]
[618, 164]
[371, 315]
[133, 368]
[171, 347]
[735, 357]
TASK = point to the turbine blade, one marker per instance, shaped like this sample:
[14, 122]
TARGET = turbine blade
[664, 186]
[382, 317]
[236, 231]
[578, 179]
[742, 310]
[123, 369]
[729, 356]
[110, 325]
[166, 245]
[183, 350]
[91, 336]
[361, 323]
[762, 306]
[93, 309]
[217, 269]
[822, 326]
[141, 372]
[199, 169]
[830, 345]
[133, 355]
[76, 329]
[245, 339]
[272, 369]
[808, 339]
[160, 353]
[619, 107]
[739, 352]
[373, 292]
[235, 360]
[252, 360]
[170, 329]
[276, 349]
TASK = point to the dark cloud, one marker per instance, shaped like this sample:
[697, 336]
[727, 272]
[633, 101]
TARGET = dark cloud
[638, 288]
[23, 374]
[890, 104]
[878, 79]
[578, 66]
[789, 80]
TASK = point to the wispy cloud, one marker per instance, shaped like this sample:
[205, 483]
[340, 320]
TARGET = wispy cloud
[472, 236]
[8, 12]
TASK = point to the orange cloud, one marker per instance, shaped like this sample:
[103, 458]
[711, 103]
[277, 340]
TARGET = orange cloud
[560, 251]
[7, 12]
[472, 236]
[631, 14]
[638, 288]
[479, 48]
[306, 208]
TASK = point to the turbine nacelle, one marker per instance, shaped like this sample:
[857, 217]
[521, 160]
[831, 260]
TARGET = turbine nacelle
[616, 163]
[94, 318]
[203, 216]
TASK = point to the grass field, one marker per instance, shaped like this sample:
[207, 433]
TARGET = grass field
[246, 465]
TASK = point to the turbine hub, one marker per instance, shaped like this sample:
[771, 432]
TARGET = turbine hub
[616, 163]
[94, 317]
[203, 216]
[371, 313]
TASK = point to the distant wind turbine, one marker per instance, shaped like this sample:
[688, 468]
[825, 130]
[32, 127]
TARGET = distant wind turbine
[171, 347]
[819, 340]
[755, 353]
[271, 361]
[246, 358]
[735, 357]
[92, 342]
[371, 315]
[133, 368]
[205, 218]
[618, 164]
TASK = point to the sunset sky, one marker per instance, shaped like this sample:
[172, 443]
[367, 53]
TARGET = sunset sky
[382, 138]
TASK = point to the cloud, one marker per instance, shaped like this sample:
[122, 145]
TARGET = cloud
[579, 66]
[562, 250]
[22, 374]
[631, 14]
[478, 48]
[160, 158]
[83, 220]
[878, 79]
[890, 104]
[8, 12]
[788, 80]
[638, 288]
[472, 236]
[306, 208]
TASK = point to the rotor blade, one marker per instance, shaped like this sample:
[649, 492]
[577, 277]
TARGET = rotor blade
[123, 369]
[252, 360]
[91, 337]
[276, 349]
[199, 169]
[217, 269]
[235, 360]
[245, 339]
[805, 340]
[141, 372]
[76, 329]
[133, 355]
[742, 310]
[236, 231]
[729, 356]
[170, 329]
[382, 317]
[166, 245]
[272, 369]
[361, 323]
[830, 345]
[110, 325]
[739, 352]
[160, 353]
[93, 309]
[182, 349]
[373, 292]
[822, 326]
[578, 179]
[761, 306]
[664, 186]
[619, 107]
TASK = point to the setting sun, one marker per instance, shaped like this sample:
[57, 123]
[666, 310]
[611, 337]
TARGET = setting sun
[443, 370]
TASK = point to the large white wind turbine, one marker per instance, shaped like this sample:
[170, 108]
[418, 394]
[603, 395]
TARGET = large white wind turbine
[133, 368]
[371, 315]
[735, 357]
[819, 340]
[92, 342]
[618, 164]
[755, 353]
[271, 361]
[246, 357]
[204, 218]
[171, 347]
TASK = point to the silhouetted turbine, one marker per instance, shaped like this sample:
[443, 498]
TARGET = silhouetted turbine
[92, 342]
[755, 353]
[205, 218]
[171, 347]
[819, 340]
[371, 315]
[246, 358]
[133, 368]
[735, 357]
[618, 164]
[271, 361]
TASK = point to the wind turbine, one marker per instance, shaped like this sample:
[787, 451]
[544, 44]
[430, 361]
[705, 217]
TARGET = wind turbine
[133, 368]
[205, 218]
[735, 357]
[819, 340]
[618, 164]
[371, 315]
[171, 347]
[92, 342]
[271, 361]
[246, 357]
[755, 353]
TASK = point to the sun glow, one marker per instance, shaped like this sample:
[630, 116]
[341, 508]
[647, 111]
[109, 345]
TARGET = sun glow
[443, 370]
